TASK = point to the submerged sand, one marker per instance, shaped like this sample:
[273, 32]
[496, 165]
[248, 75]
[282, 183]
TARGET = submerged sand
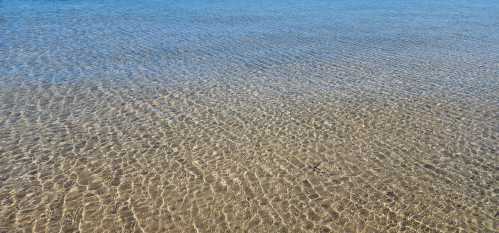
[172, 118]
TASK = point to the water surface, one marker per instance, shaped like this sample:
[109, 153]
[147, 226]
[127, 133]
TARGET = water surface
[249, 116]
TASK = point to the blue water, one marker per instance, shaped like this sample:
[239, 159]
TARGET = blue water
[63, 40]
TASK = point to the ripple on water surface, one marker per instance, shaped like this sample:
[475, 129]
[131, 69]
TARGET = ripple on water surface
[232, 116]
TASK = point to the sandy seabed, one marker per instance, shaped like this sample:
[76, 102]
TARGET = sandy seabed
[225, 116]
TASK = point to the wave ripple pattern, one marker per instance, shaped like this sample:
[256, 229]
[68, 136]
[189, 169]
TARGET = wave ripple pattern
[249, 116]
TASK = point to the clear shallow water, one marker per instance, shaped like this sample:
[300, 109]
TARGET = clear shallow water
[231, 116]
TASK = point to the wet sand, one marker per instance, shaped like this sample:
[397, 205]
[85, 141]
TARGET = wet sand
[249, 117]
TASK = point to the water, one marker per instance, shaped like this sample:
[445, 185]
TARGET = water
[249, 116]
